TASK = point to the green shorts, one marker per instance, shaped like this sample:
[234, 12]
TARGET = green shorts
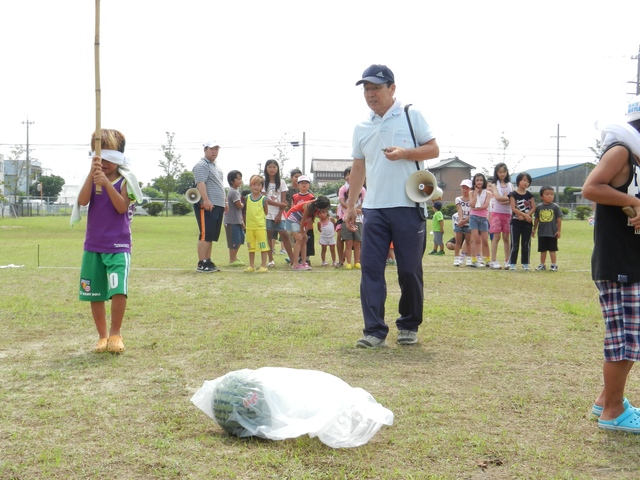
[103, 275]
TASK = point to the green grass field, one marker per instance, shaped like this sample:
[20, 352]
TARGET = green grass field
[500, 385]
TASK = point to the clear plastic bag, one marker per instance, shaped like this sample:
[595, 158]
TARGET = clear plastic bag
[279, 403]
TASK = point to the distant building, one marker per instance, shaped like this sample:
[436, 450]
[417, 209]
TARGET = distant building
[329, 170]
[449, 173]
[15, 175]
[573, 175]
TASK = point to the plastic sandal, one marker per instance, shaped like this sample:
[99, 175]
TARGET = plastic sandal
[597, 409]
[114, 344]
[101, 346]
[628, 421]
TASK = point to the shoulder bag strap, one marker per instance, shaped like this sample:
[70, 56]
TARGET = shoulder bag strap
[415, 144]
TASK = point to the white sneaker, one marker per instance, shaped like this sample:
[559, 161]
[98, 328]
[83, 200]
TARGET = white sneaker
[469, 262]
[480, 263]
[506, 265]
[496, 266]
[456, 262]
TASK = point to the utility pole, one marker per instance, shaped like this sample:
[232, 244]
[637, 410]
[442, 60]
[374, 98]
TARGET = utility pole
[296, 143]
[558, 137]
[27, 123]
[637, 82]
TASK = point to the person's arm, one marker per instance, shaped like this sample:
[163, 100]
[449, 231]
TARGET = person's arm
[514, 210]
[559, 224]
[238, 204]
[536, 222]
[528, 216]
[611, 171]
[442, 226]
[503, 199]
[486, 203]
[356, 181]
[282, 205]
[119, 200]
[473, 198]
[265, 206]
[461, 220]
[84, 195]
[206, 203]
[423, 152]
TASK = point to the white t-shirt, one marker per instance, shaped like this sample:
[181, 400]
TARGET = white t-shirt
[385, 178]
[275, 194]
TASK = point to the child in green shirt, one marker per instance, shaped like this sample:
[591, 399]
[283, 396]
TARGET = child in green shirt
[438, 230]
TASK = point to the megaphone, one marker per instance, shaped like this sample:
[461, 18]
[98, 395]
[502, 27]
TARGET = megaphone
[192, 195]
[422, 186]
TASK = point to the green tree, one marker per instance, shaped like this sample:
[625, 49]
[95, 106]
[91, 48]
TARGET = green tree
[151, 192]
[51, 186]
[329, 188]
[172, 166]
[185, 182]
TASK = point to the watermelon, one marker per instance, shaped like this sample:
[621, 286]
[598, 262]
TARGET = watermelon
[239, 404]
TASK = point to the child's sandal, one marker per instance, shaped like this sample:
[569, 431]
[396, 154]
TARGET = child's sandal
[101, 346]
[114, 344]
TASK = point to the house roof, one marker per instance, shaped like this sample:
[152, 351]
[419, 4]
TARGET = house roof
[544, 171]
[454, 162]
[330, 165]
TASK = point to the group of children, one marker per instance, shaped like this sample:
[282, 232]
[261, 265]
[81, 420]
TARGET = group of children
[271, 209]
[499, 210]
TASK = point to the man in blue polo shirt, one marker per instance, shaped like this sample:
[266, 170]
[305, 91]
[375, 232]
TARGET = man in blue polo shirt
[384, 153]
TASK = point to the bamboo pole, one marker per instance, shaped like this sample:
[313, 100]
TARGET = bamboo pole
[97, 136]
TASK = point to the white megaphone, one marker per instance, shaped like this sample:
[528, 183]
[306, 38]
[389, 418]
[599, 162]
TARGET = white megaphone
[422, 186]
[192, 195]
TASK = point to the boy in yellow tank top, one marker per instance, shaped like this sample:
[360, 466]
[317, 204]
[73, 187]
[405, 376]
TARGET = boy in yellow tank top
[256, 224]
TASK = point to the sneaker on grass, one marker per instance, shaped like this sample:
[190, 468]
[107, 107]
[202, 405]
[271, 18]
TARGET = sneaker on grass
[554, 267]
[207, 266]
[369, 341]
[407, 337]
[541, 267]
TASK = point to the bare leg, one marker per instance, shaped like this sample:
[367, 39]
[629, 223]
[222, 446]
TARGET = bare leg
[118, 307]
[615, 379]
[506, 238]
[204, 250]
[99, 312]
[348, 245]
[494, 246]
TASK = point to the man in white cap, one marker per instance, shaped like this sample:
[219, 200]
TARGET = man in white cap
[210, 209]
[384, 151]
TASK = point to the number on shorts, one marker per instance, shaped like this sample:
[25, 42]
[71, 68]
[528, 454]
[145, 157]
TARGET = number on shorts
[113, 280]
